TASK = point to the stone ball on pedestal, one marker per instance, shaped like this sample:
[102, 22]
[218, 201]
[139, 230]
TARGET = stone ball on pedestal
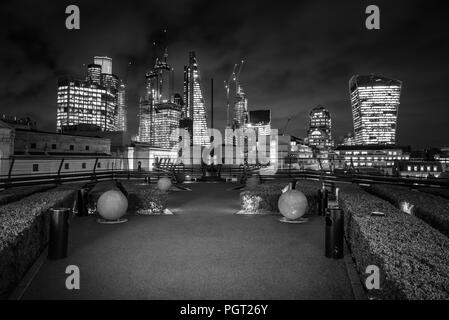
[292, 204]
[112, 205]
[164, 184]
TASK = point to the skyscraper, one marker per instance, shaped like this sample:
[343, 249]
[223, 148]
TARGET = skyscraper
[90, 101]
[165, 121]
[94, 73]
[159, 82]
[260, 121]
[240, 108]
[122, 110]
[105, 63]
[159, 115]
[375, 102]
[145, 118]
[320, 128]
[194, 107]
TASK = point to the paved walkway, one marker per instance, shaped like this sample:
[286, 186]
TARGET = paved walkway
[204, 251]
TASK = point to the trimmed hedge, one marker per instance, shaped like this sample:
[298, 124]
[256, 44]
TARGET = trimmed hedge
[432, 209]
[24, 233]
[413, 258]
[264, 197]
[144, 198]
[17, 193]
[436, 191]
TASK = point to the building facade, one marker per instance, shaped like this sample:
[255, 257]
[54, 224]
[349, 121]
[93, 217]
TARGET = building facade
[93, 100]
[122, 110]
[166, 120]
[240, 108]
[375, 102]
[381, 157]
[319, 134]
[194, 105]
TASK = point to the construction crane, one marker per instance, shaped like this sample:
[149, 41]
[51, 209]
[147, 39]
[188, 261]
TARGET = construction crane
[237, 76]
[286, 124]
[227, 88]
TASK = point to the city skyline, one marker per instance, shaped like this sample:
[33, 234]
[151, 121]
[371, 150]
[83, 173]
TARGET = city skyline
[289, 69]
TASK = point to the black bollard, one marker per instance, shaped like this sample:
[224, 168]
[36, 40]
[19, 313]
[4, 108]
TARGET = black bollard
[59, 232]
[334, 233]
[319, 202]
[81, 202]
[324, 199]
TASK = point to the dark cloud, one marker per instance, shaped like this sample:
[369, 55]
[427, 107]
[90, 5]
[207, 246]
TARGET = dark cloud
[297, 54]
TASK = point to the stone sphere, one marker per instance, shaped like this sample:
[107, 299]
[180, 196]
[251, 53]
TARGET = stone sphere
[252, 182]
[112, 205]
[292, 204]
[164, 184]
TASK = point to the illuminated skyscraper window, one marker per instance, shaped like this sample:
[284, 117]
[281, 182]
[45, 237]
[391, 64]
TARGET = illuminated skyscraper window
[375, 102]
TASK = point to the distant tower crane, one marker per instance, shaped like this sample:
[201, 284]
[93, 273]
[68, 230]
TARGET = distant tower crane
[227, 88]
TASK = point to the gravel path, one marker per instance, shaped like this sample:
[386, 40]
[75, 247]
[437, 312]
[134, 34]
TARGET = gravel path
[204, 251]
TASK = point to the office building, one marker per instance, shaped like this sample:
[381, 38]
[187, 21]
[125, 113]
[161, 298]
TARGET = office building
[319, 134]
[93, 100]
[260, 121]
[375, 102]
[240, 108]
[194, 105]
[165, 121]
[122, 110]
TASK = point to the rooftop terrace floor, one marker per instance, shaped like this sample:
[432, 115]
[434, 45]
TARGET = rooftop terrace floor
[204, 251]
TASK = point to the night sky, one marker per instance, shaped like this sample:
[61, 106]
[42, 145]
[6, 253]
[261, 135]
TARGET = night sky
[298, 54]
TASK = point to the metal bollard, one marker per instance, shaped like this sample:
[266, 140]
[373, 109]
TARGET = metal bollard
[334, 233]
[59, 232]
[322, 201]
[81, 203]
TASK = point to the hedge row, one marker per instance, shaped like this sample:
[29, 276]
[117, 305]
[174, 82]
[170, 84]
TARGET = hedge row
[144, 198]
[436, 191]
[430, 208]
[24, 233]
[264, 198]
[17, 193]
[413, 257]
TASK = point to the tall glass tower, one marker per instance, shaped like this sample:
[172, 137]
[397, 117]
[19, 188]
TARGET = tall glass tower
[320, 128]
[93, 100]
[159, 115]
[122, 118]
[194, 106]
[240, 108]
[375, 102]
